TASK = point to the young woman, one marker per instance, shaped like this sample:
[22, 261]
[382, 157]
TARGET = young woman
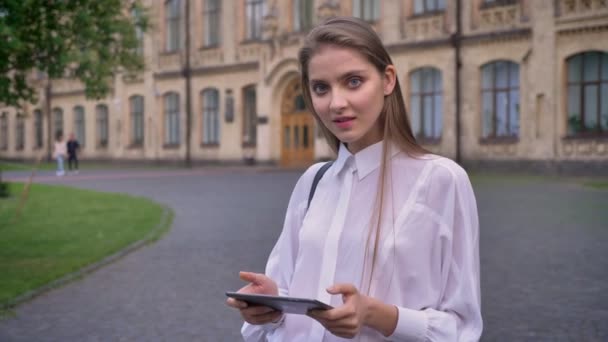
[390, 239]
[59, 153]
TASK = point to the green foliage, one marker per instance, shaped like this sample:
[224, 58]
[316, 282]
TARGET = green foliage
[90, 40]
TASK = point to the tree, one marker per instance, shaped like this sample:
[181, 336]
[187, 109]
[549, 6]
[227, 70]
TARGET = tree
[91, 40]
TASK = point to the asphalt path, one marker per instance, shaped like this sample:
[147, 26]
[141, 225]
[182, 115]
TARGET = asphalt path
[544, 260]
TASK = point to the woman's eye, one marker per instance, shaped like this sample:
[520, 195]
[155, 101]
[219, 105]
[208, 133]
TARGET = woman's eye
[354, 82]
[319, 88]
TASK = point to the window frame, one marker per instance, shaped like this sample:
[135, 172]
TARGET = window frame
[249, 132]
[137, 120]
[582, 84]
[423, 95]
[102, 121]
[495, 91]
[212, 23]
[173, 18]
[303, 15]
[359, 8]
[38, 129]
[171, 127]
[210, 117]
[80, 124]
[19, 132]
[440, 6]
[4, 138]
[57, 114]
[139, 33]
[253, 22]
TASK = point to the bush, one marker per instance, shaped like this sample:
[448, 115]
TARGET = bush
[4, 192]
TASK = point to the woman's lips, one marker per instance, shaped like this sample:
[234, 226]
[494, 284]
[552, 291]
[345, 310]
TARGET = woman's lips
[345, 122]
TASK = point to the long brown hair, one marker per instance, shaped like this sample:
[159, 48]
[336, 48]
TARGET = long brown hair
[358, 35]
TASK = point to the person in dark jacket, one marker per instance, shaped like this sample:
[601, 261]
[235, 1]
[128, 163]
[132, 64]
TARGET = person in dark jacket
[73, 147]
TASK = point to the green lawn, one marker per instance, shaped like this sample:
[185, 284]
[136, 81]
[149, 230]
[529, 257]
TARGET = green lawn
[63, 229]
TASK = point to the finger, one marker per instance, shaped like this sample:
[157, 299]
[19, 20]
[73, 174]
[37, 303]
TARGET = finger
[271, 317]
[250, 277]
[257, 310]
[237, 304]
[344, 289]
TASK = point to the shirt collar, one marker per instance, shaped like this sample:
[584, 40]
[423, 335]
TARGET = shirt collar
[365, 161]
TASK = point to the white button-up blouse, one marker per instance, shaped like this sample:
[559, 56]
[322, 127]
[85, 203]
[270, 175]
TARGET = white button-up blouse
[427, 262]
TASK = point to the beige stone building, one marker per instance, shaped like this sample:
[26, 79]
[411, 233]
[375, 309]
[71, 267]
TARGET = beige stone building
[488, 82]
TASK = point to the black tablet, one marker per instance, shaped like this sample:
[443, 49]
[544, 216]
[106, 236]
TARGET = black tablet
[285, 304]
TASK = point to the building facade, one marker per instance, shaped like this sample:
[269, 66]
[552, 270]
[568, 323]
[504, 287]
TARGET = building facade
[518, 82]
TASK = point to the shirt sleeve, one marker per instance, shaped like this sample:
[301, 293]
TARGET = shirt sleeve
[458, 315]
[282, 258]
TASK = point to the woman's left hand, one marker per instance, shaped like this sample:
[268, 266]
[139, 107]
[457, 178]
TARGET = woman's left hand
[347, 320]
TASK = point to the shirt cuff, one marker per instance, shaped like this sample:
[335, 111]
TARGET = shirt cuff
[412, 325]
[270, 327]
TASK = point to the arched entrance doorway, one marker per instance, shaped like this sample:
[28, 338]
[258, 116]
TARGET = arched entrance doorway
[297, 128]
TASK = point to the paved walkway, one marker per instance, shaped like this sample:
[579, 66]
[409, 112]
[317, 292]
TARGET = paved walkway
[543, 257]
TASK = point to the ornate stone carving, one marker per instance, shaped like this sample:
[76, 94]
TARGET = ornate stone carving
[422, 28]
[582, 8]
[169, 61]
[328, 9]
[500, 16]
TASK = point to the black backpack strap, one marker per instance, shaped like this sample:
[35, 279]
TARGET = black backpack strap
[316, 180]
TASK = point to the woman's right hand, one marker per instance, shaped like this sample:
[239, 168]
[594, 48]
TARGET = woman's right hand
[258, 284]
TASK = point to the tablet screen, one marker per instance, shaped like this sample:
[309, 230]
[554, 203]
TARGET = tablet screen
[285, 304]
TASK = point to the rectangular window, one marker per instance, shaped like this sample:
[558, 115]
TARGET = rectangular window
[172, 136]
[137, 120]
[254, 13]
[20, 132]
[368, 10]
[210, 117]
[4, 131]
[302, 15]
[211, 22]
[249, 116]
[425, 101]
[428, 6]
[38, 129]
[173, 27]
[101, 113]
[57, 122]
[79, 125]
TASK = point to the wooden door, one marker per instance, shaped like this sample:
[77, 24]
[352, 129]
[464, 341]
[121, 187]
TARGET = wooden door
[297, 129]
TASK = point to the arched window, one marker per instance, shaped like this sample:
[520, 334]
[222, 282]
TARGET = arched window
[136, 109]
[172, 25]
[212, 13]
[210, 99]
[368, 10]
[172, 119]
[79, 125]
[500, 99]
[249, 116]
[20, 132]
[101, 116]
[588, 93]
[302, 15]
[38, 129]
[426, 103]
[4, 131]
[57, 122]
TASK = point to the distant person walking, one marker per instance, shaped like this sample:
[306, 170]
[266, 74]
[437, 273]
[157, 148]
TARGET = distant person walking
[60, 153]
[73, 146]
